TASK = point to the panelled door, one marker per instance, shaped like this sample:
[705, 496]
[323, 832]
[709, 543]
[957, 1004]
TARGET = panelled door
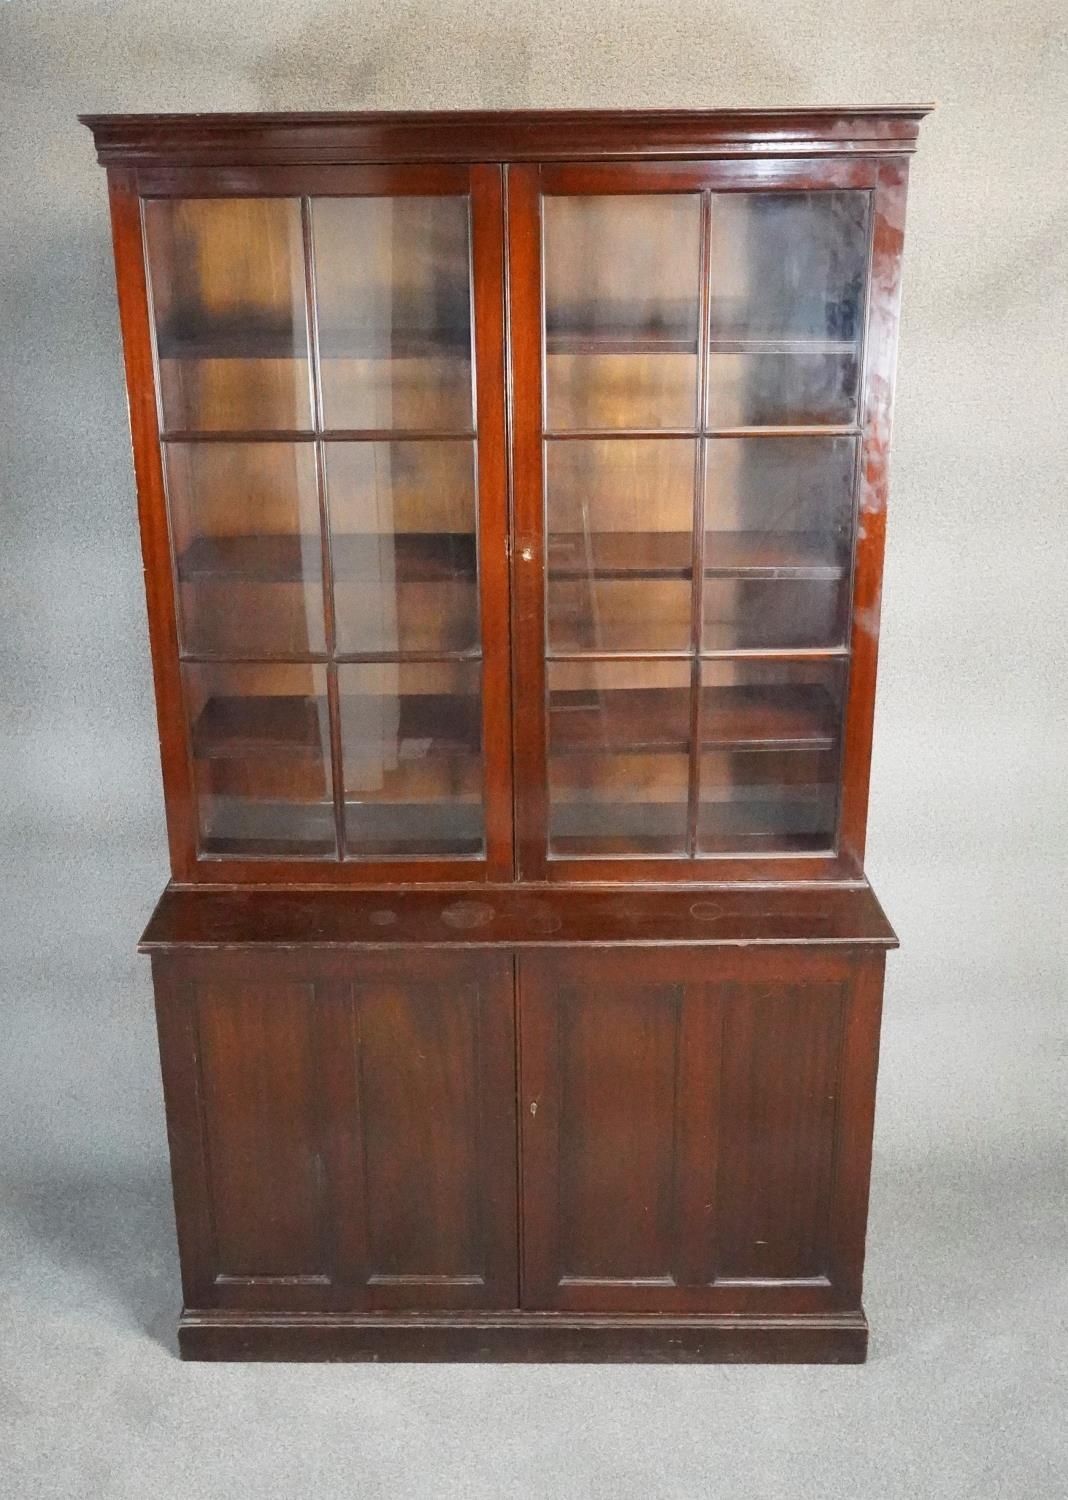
[681, 1146]
[700, 405]
[329, 376]
[342, 1131]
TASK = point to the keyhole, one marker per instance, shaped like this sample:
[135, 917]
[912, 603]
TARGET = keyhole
[533, 1106]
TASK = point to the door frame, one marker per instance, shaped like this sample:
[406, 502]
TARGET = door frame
[345, 1279]
[128, 187]
[700, 982]
[885, 179]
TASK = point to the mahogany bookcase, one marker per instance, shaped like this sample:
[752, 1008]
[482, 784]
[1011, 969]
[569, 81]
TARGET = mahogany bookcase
[512, 492]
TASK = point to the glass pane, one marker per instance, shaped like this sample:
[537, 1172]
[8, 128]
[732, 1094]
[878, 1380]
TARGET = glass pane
[260, 738]
[778, 801]
[248, 554]
[770, 749]
[402, 519]
[412, 739]
[228, 298]
[620, 544]
[778, 541]
[393, 294]
[789, 272]
[619, 735]
[621, 311]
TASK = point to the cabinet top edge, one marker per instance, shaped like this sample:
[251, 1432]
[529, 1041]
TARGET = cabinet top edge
[488, 135]
[514, 917]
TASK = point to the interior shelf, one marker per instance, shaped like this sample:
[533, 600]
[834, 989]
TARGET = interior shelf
[407, 557]
[292, 727]
[669, 554]
[674, 341]
[396, 830]
[657, 720]
[375, 830]
[625, 341]
[578, 827]
[429, 557]
[660, 828]
[245, 340]
[728, 343]
[286, 727]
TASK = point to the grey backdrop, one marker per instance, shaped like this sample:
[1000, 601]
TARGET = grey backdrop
[966, 1270]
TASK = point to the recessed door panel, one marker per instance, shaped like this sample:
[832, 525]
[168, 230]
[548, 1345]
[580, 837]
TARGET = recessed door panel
[260, 1062]
[349, 1127]
[777, 1129]
[679, 1130]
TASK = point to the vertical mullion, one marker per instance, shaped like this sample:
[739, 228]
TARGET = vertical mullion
[326, 548]
[698, 554]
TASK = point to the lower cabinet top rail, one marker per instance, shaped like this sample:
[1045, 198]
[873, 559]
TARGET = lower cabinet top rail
[511, 916]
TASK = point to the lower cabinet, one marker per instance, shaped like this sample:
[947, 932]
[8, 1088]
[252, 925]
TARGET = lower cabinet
[479, 1142]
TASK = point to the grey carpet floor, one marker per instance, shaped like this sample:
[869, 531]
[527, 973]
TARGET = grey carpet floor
[963, 1395]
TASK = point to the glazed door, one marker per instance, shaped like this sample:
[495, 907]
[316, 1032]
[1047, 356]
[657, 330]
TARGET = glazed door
[342, 1131]
[695, 1129]
[689, 347]
[329, 378]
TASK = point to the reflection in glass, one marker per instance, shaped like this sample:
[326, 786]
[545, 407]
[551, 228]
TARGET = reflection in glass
[788, 277]
[412, 750]
[260, 741]
[248, 555]
[402, 519]
[228, 299]
[778, 541]
[767, 801]
[747, 702]
[770, 747]
[393, 292]
[620, 543]
[619, 736]
[621, 310]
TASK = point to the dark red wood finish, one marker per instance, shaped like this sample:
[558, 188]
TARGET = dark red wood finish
[238, 141]
[527, 185]
[695, 1131]
[684, 1144]
[514, 916]
[517, 1107]
[484, 186]
[342, 1132]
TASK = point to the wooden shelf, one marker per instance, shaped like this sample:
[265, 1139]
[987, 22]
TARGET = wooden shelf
[220, 340]
[293, 727]
[761, 554]
[270, 828]
[430, 557]
[625, 341]
[619, 554]
[398, 830]
[407, 557]
[657, 720]
[244, 826]
[445, 723]
[674, 341]
[636, 722]
[727, 343]
[781, 717]
[279, 727]
[635, 827]
[669, 554]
